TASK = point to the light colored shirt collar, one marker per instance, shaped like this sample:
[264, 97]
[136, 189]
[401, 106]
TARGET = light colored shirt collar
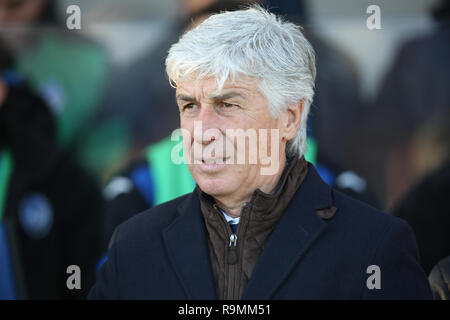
[230, 219]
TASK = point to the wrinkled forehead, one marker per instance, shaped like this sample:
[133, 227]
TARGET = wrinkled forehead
[212, 87]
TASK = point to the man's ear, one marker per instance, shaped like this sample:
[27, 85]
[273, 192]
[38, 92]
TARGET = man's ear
[292, 120]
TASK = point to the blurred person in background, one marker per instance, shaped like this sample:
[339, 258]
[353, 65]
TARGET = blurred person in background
[425, 206]
[416, 90]
[70, 73]
[49, 207]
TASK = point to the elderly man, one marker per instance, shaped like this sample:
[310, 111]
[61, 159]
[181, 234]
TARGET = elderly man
[261, 224]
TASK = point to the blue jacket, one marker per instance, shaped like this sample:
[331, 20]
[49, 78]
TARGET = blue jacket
[162, 253]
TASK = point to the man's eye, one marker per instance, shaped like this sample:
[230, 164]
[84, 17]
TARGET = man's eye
[188, 107]
[228, 105]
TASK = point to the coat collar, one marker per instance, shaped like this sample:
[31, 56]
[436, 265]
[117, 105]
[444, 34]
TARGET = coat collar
[297, 229]
[187, 244]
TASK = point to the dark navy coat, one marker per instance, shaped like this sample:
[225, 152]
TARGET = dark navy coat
[162, 253]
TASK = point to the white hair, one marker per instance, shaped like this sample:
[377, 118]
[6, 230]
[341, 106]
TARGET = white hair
[252, 43]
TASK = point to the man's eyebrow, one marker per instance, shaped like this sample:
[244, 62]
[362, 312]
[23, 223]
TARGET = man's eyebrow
[226, 96]
[184, 97]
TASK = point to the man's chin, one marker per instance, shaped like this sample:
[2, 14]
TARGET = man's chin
[217, 180]
[215, 186]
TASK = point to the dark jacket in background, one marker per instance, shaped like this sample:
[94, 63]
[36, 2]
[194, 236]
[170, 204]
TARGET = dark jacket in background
[426, 209]
[52, 207]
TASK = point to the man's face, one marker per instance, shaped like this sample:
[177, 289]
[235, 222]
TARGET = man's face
[16, 17]
[209, 116]
[20, 12]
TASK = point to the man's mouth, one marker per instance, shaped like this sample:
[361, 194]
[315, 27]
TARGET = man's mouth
[213, 160]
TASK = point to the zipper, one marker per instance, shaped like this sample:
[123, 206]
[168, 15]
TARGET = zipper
[232, 265]
[233, 240]
[231, 258]
[232, 255]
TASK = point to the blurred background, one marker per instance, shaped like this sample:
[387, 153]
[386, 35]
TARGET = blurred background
[85, 113]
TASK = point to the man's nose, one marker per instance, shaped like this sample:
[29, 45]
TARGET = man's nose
[208, 124]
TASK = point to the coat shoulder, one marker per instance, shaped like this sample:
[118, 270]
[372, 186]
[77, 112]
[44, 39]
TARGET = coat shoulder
[151, 221]
[378, 239]
[359, 213]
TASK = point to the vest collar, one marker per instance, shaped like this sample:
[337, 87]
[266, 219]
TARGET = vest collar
[263, 204]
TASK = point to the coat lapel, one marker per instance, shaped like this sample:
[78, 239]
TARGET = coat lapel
[187, 246]
[297, 229]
